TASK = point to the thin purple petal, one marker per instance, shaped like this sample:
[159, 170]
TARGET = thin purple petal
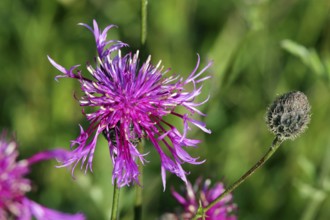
[43, 213]
[58, 154]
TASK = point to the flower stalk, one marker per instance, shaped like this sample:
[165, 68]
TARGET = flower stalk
[138, 187]
[275, 145]
[144, 4]
[115, 202]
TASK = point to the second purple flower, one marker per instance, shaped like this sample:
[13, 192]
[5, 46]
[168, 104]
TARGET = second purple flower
[130, 103]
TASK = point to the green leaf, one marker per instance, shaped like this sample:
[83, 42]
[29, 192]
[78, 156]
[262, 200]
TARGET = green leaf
[308, 56]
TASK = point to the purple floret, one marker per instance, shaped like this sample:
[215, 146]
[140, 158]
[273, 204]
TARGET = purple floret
[202, 193]
[14, 185]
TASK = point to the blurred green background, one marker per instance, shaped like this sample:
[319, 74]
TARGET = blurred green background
[260, 49]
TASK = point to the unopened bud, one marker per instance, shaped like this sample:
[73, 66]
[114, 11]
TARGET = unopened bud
[289, 115]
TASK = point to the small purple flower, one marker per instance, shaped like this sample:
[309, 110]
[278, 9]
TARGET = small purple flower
[13, 185]
[131, 102]
[205, 194]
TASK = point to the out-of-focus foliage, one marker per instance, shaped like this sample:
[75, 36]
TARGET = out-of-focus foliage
[260, 48]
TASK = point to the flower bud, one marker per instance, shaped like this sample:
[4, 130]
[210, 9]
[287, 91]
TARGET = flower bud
[289, 115]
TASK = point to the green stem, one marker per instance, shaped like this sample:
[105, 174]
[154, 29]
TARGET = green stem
[138, 188]
[275, 145]
[115, 202]
[144, 4]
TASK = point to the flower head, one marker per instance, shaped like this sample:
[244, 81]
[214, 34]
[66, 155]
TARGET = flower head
[289, 115]
[204, 194]
[14, 185]
[130, 103]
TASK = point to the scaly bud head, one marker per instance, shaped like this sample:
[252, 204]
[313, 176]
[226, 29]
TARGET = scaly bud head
[289, 115]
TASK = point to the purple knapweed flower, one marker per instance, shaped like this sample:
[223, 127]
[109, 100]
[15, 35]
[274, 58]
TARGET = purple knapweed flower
[131, 102]
[14, 185]
[203, 193]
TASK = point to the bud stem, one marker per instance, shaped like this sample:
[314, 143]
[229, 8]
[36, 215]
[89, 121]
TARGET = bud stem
[275, 145]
